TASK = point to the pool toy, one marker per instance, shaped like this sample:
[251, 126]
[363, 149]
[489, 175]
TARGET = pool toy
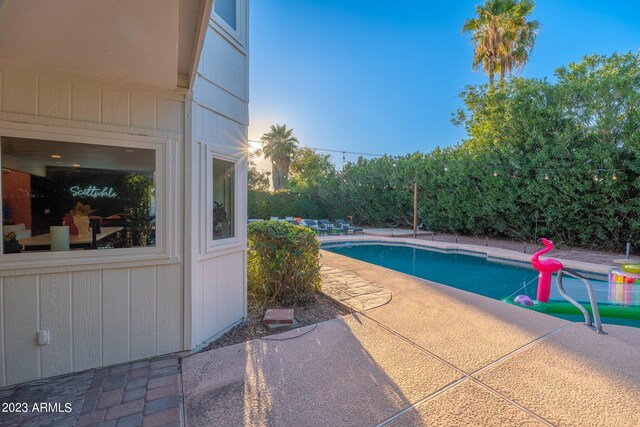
[523, 300]
[621, 301]
[622, 275]
[546, 268]
[631, 268]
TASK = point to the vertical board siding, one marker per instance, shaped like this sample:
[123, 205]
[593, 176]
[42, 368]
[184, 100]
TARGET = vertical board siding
[210, 295]
[143, 312]
[95, 318]
[55, 317]
[170, 115]
[169, 308]
[85, 102]
[143, 111]
[115, 316]
[54, 98]
[218, 295]
[20, 92]
[103, 316]
[115, 107]
[22, 359]
[197, 301]
[87, 319]
[2, 311]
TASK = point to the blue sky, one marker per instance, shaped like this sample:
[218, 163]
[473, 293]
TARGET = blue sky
[384, 77]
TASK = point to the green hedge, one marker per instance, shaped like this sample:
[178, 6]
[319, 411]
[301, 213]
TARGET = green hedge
[264, 205]
[283, 262]
[557, 159]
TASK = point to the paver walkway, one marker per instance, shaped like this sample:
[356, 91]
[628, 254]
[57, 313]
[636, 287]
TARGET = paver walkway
[144, 393]
[352, 290]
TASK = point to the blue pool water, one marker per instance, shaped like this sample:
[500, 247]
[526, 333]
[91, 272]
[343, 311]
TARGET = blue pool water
[475, 274]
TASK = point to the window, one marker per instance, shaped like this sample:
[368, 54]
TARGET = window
[67, 196]
[227, 10]
[223, 196]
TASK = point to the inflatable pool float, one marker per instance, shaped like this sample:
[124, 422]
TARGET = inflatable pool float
[563, 307]
[623, 298]
[631, 268]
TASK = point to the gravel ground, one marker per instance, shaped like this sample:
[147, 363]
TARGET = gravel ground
[321, 308]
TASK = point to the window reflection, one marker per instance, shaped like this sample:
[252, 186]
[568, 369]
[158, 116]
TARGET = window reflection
[68, 196]
[223, 199]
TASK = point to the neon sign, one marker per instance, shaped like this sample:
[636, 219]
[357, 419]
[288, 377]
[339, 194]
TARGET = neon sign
[93, 191]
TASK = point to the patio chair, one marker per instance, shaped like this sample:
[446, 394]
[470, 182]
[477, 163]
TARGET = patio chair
[344, 224]
[318, 228]
[333, 228]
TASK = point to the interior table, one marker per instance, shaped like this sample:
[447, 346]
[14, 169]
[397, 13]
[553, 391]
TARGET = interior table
[82, 240]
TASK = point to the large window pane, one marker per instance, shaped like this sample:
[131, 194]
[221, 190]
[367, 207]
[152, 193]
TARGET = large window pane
[226, 9]
[223, 199]
[59, 196]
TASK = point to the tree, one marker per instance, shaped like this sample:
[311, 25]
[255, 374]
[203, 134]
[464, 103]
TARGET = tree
[502, 35]
[310, 170]
[279, 145]
[257, 179]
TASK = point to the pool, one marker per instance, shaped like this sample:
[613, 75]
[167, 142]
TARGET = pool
[492, 278]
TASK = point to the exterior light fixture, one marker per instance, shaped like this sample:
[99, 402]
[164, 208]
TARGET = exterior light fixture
[614, 177]
[495, 174]
[56, 156]
[546, 177]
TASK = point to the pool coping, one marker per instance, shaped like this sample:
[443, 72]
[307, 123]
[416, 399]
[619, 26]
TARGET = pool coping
[600, 271]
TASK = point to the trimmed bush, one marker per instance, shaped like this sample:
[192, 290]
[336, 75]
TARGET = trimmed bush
[283, 262]
[265, 204]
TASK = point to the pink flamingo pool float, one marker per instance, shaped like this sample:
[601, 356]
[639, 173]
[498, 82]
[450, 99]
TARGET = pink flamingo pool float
[546, 268]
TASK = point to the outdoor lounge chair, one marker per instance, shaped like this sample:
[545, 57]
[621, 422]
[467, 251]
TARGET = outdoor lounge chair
[320, 229]
[333, 228]
[344, 224]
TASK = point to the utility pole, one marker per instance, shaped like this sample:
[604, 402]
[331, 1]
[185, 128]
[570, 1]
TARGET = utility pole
[415, 210]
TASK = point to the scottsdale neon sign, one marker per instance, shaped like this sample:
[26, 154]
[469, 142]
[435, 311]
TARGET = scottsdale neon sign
[93, 191]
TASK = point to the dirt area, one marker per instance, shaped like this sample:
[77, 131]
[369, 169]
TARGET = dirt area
[321, 308]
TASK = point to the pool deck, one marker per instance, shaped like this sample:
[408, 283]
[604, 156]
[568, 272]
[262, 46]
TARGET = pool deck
[433, 355]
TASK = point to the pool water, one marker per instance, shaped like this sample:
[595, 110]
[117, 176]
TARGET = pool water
[476, 274]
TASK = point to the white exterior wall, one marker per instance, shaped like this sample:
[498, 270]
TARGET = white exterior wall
[105, 309]
[219, 111]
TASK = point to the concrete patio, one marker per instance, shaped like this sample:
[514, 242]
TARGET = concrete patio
[433, 355]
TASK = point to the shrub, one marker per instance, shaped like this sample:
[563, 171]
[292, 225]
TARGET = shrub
[283, 262]
[265, 204]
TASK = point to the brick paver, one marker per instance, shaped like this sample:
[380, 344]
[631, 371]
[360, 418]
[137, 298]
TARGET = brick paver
[134, 394]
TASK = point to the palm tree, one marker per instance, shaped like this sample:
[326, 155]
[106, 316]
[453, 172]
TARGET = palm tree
[502, 35]
[279, 145]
